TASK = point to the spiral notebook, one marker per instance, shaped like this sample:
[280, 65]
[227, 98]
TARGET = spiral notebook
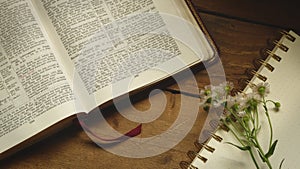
[281, 70]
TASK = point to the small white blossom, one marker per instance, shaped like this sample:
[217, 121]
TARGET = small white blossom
[231, 101]
[214, 95]
[227, 86]
[262, 89]
[254, 96]
[241, 99]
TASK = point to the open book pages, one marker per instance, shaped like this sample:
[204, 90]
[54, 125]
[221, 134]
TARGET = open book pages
[284, 87]
[58, 58]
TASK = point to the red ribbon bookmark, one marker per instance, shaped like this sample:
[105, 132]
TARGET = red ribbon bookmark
[132, 133]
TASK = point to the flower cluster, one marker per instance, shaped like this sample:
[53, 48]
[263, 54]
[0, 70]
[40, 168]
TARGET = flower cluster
[242, 115]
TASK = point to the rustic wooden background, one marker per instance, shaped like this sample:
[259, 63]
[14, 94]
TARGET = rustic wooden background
[240, 29]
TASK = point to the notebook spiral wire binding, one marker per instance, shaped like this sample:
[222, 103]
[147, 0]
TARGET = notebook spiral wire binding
[261, 62]
[250, 73]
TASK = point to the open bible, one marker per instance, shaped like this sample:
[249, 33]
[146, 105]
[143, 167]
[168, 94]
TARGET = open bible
[59, 58]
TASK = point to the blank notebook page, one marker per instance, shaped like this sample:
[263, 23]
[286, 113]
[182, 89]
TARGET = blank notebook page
[284, 87]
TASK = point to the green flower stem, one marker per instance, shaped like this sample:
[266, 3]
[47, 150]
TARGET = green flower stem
[271, 129]
[234, 134]
[238, 129]
[266, 160]
[240, 121]
[253, 118]
[269, 121]
[253, 159]
[270, 101]
[257, 119]
[241, 142]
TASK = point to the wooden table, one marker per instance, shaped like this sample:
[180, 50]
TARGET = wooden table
[240, 30]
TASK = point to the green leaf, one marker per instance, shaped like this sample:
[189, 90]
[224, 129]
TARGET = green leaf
[280, 166]
[271, 150]
[253, 132]
[246, 148]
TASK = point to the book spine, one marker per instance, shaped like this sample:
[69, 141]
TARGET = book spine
[251, 73]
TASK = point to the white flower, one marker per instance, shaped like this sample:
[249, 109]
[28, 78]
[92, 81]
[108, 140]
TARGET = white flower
[254, 96]
[231, 101]
[227, 86]
[206, 92]
[205, 95]
[242, 99]
[262, 89]
[214, 95]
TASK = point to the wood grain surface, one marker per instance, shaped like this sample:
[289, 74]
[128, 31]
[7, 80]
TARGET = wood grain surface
[240, 30]
[276, 13]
